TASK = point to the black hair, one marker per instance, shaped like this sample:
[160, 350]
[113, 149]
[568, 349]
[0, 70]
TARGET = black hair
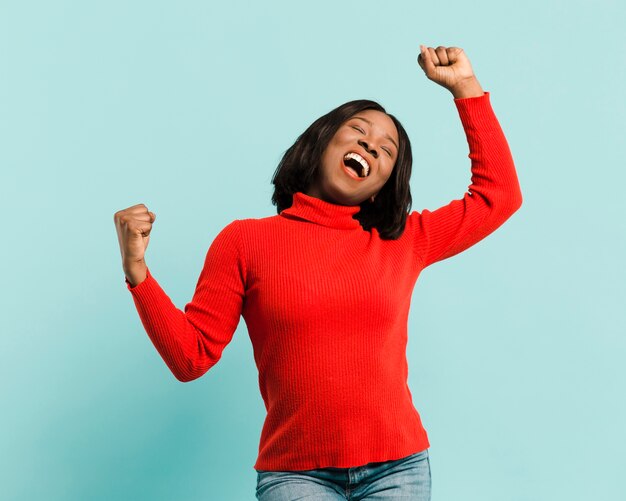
[301, 164]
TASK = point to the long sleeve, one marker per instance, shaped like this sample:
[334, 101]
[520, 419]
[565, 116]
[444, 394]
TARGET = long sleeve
[492, 197]
[192, 341]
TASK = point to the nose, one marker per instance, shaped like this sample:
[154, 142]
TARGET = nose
[370, 149]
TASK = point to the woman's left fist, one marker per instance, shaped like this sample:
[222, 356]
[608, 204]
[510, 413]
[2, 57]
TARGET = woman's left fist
[446, 66]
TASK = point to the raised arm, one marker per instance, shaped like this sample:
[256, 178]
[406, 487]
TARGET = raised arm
[494, 193]
[192, 341]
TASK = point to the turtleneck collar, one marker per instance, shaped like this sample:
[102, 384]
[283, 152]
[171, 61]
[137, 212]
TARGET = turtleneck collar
[321, 212]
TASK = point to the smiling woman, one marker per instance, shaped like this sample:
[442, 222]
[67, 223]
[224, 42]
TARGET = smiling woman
[325, 287]
[368, 153]
[356, 154]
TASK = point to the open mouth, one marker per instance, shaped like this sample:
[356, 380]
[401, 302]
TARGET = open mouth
[356, 164]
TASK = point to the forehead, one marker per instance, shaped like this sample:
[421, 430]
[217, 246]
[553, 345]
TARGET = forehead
[379, 120]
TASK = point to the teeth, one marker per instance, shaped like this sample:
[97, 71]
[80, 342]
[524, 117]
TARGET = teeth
[361, 160]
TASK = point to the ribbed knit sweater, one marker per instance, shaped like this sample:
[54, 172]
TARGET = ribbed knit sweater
[326, 305]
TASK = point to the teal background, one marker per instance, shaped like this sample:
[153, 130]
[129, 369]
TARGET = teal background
[517, 345]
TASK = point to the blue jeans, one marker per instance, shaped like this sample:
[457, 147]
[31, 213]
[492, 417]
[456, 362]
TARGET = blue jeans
[406, 478]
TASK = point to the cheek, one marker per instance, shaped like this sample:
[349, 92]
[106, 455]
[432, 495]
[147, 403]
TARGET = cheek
[386, 169]
[328, 163]
[332, 153]
[327, 157]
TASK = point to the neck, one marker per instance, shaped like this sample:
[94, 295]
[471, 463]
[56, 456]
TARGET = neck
[315, 192]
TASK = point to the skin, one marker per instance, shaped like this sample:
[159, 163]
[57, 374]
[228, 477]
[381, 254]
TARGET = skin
[450, 68]
[374, 141]
[446, 66]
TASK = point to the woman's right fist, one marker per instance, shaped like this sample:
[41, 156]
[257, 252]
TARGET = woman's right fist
[133, 227]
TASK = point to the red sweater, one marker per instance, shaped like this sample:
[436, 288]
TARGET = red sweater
[326, 305]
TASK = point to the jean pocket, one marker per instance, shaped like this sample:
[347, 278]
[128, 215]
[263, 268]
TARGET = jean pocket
[266, 480]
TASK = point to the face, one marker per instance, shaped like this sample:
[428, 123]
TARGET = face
[367, 143]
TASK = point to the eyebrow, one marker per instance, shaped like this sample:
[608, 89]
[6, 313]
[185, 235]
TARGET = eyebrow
[387, 136]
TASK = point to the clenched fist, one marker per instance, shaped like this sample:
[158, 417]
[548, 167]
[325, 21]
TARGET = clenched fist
[133, 226]
[450, 68]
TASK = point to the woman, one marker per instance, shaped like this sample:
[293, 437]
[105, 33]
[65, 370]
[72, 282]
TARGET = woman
[325, 289]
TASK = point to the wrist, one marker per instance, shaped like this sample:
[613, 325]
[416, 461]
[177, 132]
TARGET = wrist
[133, 263]
[134, 267]
[135, 276]
[467, 88]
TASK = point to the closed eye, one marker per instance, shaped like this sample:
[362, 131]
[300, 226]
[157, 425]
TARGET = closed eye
[387, 150]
